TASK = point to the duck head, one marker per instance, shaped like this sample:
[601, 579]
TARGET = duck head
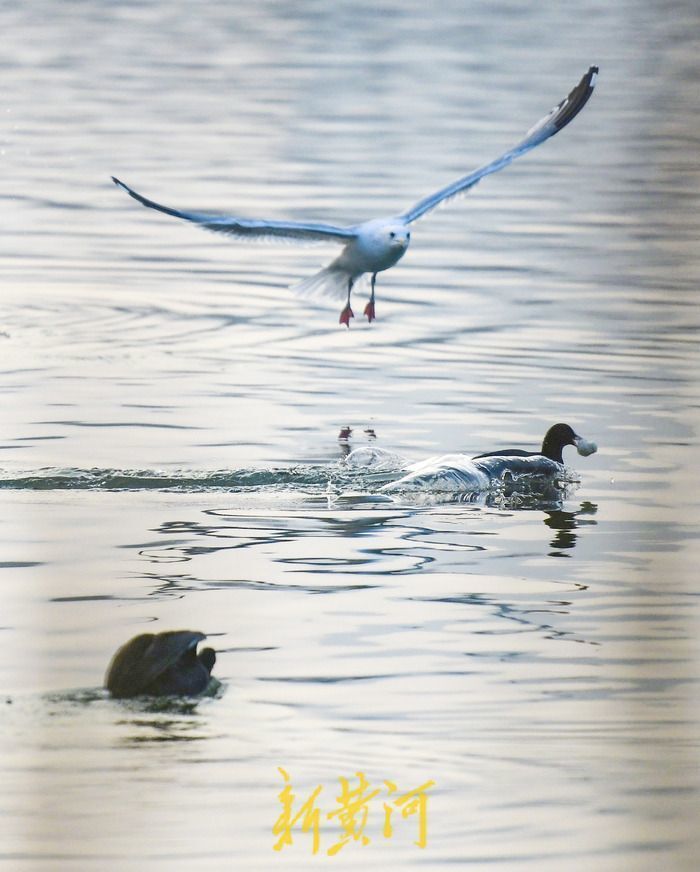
[561, 435]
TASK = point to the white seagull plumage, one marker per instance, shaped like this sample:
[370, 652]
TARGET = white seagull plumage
[376, 245]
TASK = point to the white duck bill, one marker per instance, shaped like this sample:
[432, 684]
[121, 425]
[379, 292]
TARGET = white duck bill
[584, 447]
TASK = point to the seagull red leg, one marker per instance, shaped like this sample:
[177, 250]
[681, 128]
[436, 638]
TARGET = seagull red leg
[347, 312]
[369, 308]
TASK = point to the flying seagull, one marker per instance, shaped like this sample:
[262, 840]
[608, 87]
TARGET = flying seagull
[375, 245]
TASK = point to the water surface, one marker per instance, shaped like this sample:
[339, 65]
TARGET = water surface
[170, 434]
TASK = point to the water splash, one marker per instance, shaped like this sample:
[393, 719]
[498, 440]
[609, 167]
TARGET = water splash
[372, 473]
[458, 473]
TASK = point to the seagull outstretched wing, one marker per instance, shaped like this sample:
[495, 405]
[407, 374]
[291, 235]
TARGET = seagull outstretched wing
[245, 228]
[552, 123]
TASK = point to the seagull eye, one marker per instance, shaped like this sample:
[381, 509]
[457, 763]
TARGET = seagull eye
[392, 235]
[408, 236]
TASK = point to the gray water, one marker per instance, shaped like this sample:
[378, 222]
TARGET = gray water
[170, 452]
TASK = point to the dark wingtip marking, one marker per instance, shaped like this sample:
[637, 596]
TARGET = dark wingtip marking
[577, 99]
[121, 185]
[152, 203]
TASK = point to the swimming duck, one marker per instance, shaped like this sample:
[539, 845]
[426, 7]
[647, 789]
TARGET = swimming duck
[558, 436]
[161, 664]
[461, 473]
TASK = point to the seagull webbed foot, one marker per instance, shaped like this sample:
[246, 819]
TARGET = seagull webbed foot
[346, 315]
[369, 311]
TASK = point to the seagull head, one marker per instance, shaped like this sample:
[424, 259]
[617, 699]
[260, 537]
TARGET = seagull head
[397, 236]
[379, 244]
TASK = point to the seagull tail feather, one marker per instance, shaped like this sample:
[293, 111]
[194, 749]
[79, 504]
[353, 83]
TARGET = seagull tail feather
[330, 282]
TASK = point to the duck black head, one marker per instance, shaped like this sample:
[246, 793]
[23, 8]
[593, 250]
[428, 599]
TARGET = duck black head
[560, 435]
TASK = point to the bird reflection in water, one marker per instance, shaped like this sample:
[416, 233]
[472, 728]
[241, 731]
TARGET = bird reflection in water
[345, 435]
[565, 523]
[158, 720]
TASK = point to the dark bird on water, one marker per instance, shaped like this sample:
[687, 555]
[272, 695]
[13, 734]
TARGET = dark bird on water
[161, 664]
